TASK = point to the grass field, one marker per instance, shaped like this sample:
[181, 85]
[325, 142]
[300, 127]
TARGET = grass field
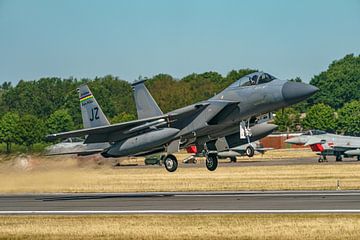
[67, 176]
[270, 226]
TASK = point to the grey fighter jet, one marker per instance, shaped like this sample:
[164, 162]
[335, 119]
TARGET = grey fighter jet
[327, 144]
[228, 115]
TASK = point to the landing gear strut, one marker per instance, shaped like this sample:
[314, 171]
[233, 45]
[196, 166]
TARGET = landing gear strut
[211, 161]
[245, 133]
[170, 163]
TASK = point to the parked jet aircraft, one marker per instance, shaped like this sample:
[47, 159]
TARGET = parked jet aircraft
[258, 131]
[241, 151]
[228, 115]
[327, 144]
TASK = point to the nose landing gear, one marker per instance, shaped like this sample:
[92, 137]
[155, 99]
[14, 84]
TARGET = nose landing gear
[211, 161]
[250, 151]
[245, 133]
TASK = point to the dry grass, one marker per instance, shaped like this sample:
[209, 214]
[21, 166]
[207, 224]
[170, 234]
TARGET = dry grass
[66, 176]
[181, 227]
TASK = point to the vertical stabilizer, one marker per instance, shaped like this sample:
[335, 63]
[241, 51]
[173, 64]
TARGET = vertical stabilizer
[91, 112]
[145, 104]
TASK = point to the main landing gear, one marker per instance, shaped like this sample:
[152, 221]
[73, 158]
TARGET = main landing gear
[322, 158]
[170, 163]
[338, 157]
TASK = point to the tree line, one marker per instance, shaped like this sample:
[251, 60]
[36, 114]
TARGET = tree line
[335, 108]
[32, 109]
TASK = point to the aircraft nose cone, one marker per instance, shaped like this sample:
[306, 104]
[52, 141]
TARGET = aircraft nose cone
[294, 92]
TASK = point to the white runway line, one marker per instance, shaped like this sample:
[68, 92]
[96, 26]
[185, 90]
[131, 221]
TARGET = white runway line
[268, 195]
[177, 211]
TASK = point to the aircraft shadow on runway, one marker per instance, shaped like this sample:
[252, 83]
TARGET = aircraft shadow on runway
[102, 196]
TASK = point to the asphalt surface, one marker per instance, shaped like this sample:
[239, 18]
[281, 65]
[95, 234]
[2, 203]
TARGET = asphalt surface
[183, 202]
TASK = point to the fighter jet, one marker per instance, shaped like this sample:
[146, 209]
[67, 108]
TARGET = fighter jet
[228, 115]
[78, 147]
[327, 144]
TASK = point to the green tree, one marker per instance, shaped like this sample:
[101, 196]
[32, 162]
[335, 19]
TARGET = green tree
[9, 133]
[123, 117]
[59, 121]
[320, 116]
[349, 118]
[31, 130]
[288, 119]
[339, 84]
[297, 79]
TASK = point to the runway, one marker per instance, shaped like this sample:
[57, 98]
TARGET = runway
[183, 202]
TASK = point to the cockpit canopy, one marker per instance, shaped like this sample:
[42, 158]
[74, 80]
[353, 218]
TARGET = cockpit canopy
[253, 79]
[314, 132]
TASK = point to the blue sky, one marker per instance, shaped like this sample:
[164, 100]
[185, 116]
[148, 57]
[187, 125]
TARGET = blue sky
[129, 38]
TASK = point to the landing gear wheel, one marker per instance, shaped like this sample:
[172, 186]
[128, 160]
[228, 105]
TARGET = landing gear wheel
[322, 159]
[358, 158]
[170, 163]
[338, 158]
[250, 151]
[211, 162]
[233, 159]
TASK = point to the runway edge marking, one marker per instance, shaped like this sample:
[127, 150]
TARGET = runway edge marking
[44, 212]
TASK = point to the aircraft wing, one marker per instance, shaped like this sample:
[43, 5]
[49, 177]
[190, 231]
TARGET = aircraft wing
[220, 110]
[119, 131]
[113, 132]
[345, 147]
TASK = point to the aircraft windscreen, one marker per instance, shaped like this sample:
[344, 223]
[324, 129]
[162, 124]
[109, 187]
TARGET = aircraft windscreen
[318, 132]
[247, 80]
[265, 78]
[314, 132]
[253, 79]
